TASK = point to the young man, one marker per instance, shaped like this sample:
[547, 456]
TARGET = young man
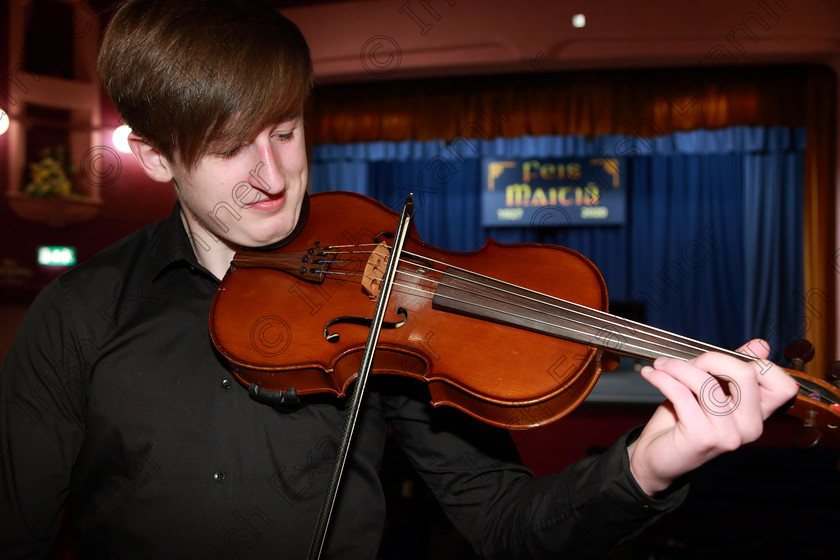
[113, 397]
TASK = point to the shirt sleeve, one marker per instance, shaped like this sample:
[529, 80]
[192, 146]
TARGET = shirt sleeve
[502, 509]
[42, 419]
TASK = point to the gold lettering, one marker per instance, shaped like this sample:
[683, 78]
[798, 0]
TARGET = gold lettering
[563, 196]
[592, 195]
[517, 194]
[509, 213]
[548, 170]
[528, 169]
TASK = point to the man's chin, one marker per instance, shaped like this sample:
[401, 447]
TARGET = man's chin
[269, 240]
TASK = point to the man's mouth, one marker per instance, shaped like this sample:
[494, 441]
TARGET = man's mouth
[266, 202]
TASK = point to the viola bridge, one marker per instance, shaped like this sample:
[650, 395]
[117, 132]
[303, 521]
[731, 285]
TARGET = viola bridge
[375, 270]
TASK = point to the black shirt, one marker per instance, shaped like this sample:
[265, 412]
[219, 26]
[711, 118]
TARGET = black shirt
[113, 396]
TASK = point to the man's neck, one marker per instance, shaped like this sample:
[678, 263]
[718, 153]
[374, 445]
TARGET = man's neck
[212, 253]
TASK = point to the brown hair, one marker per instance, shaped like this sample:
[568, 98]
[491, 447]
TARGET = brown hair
[191, 76]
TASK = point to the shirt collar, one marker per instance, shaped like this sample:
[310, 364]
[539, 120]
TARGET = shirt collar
[173, 244]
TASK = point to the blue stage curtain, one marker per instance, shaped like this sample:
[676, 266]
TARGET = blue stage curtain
[713, 240]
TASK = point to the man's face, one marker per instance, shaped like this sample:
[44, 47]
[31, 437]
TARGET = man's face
[249, 195]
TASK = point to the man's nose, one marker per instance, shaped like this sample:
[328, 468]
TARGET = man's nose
[266, 175]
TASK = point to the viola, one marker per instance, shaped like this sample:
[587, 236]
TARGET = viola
[514, 335]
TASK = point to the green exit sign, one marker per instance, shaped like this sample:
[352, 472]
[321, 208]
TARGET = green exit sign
[56, 256]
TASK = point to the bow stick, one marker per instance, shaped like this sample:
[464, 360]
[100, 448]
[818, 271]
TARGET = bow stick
[364, 371]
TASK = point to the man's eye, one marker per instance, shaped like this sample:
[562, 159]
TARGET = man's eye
[230, 153]
[284, 136]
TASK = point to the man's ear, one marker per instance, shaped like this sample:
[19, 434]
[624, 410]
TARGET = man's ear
[154, 164]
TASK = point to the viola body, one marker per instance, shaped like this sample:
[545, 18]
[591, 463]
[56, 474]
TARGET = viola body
[294, 317]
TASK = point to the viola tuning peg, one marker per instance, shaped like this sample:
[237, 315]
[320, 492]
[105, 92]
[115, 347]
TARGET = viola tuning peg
[810, 434]
[799, 352]
[832, 375]
[808, 437]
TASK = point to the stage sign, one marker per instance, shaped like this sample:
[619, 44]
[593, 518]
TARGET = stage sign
[551, 192]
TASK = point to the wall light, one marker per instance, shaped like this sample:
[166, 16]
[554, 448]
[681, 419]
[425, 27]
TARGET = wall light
[120, 138]
[578, 20]
[4, 122]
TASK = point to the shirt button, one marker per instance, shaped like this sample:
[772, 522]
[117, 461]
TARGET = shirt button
[218, 476]
[226, 383]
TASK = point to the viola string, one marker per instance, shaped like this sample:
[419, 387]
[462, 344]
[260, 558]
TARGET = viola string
[622, 326]
[657, 348]
[586, 337]
[594, 314]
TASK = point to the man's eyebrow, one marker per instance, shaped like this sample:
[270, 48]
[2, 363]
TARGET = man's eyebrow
[290, 118]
